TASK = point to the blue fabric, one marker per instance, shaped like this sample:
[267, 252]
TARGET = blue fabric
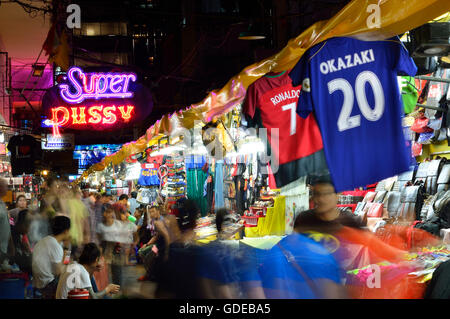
[360, 148]
[218, 186]
[149, 177]
[219, 263]
[195, 161]
[281, 280]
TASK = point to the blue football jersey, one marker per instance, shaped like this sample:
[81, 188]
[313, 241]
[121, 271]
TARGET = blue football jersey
[149, 175]
[352, 87]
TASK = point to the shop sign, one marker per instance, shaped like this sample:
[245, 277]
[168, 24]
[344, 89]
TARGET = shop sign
[96, 101]
[96, 85]
[62, 142]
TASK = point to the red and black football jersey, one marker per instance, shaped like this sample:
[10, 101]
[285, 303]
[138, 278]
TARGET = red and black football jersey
[271, 103]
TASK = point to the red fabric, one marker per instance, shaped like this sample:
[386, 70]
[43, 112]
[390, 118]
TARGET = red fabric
[406, 237]
[356, 193]
[270, 94]
[272, 183]
[381, 251]
[394, 283]
[420, 125]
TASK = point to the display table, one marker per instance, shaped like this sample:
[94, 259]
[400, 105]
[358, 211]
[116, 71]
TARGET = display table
[273, 224]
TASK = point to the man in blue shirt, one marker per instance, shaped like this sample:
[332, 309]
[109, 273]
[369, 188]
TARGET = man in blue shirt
[352, 87]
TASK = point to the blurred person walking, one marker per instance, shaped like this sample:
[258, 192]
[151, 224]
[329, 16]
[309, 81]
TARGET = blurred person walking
[79, 217]
[128, 234]
[5, 229]
[110, 236]
[155, 250]
[22, 248]
[132, 203]
[178, 275]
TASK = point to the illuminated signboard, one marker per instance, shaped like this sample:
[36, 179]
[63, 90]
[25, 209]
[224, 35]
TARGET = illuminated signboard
[101, 85]
[96, 101]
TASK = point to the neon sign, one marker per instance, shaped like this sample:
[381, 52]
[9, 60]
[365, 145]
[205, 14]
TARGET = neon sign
[98, 114]
[96, 85]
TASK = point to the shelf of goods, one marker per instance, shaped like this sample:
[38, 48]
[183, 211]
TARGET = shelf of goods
[270, 218]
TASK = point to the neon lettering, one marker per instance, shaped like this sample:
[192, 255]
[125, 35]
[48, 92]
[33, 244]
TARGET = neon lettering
[94, 113]
[126, 116]
[78, 117]
[110, 118]
[64, 116]
[95, 85]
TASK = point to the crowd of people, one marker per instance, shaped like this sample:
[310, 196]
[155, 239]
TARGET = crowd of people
[75, 240]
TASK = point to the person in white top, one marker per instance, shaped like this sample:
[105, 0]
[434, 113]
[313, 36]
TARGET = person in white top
[48, 257]
[110, 233]
[78, 275]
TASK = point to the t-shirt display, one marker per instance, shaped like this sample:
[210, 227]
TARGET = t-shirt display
[271, 103]
[24, 151]
[351, 85]
[149, 175]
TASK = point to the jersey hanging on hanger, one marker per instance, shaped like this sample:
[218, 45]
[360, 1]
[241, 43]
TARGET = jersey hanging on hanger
[351, 85]
[271, 103]
[149, 175]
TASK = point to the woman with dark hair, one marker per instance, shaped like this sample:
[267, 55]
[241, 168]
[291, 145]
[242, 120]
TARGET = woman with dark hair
[22, 248]
[80, 274]
[21, 204]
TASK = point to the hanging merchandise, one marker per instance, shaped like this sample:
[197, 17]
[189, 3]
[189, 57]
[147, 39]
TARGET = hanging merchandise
[351, 85]
[416, 149]
[219, 186]
[410, 93]
[421, 125]
[175, 181]
[196, 179]
[295, 142]
[147, 195]
[208, 192]
[436, 91]
[24, 152]
[297, 201]
[149, 175]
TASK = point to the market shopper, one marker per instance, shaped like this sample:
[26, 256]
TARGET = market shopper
[155, 250]
[52, 203]
[78, 275]
[178, 276]
[218, 268]
[132, 203]
[129, 234]
[48, 257]
[22, 247]
[5, 228]
[326, 217]
[79, 217]
[123, 201]
[21, 204]
[110, 237]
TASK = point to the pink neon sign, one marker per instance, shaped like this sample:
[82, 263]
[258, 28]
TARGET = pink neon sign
[96, 85]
